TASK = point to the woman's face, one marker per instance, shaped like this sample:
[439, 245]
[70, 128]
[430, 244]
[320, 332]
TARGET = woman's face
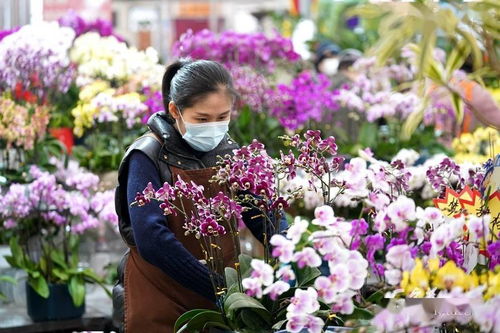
[213, 107]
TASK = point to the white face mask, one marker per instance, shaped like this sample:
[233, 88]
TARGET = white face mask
[205, 136]
[329, 66]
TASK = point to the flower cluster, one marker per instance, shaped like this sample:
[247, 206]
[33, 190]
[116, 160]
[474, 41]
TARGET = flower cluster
[54, 201]
[204, 219]
[22, 126]
[253, 88]
[35, 58]
[154, 102]
[476, 147]
[230, 48]
[299, 249]
[100, 104]
[108, 58]
[81, 26]
[307, 98]
[372, 95]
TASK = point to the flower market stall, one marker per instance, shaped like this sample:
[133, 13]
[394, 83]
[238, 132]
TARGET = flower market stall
[388, 173]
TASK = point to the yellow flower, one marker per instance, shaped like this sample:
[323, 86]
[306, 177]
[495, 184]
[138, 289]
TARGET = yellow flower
[90, 91]
[493, 285]
[416, 283]
[433, 264]
[84, 117]
[450, 276]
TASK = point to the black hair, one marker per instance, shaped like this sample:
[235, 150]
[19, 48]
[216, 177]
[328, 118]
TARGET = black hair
[187, 81]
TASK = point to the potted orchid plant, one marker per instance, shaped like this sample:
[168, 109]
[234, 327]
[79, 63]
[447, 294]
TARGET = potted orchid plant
[44, 219]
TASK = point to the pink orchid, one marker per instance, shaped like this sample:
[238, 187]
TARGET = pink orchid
[304, 301]
[399, 256]
[324, 216]
[296, 230]
[263, 272]
[282, 248]
[307, 257]
[296, 323]
[276, 289]
[324, 287]
[401, 211]
[285, 273]
[314, 324]
[393, 276]
[343, 302]
[378, 200]
[252, 286]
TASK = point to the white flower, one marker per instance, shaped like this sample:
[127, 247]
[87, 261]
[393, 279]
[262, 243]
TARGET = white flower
[286, 273]
[263, 272]
[324, 216]
[252, 286]
[399, 256]
[407, 156]
[276, 289]
[401, 211]
[307, 257]
[304, 301]
[282, 248]
[393, 276]
[296, 230]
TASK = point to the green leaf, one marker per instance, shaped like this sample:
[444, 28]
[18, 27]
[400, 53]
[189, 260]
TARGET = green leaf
[245, 267]
[306, 275]
[231, 276]
[8, 279]
[427, 42]
[368, 134]
[17, 254]
[376, 296]
[77, 289]
[279, 324]
[476, 51]
[238, 301]
[360, 313]
[40, 285]
[458, 106]
[61, 275]
[253, 320]
[58, 257]
[201, 319]
[209, 324]
[457, 57]
[185, 317]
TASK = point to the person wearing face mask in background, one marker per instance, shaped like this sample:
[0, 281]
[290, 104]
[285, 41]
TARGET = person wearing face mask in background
[162, 275]
[326, 59]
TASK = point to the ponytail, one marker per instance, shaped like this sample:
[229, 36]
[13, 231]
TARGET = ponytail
[186, 81]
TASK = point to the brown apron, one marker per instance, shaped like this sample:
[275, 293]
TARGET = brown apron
[153, 300]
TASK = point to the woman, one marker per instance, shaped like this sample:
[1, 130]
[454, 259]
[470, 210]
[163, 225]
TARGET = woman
[161, 276]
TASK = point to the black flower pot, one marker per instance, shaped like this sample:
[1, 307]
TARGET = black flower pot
[58, 306]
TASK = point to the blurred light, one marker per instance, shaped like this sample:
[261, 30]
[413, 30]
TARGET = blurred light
[304, 32]
[245, 22]
[36, 11]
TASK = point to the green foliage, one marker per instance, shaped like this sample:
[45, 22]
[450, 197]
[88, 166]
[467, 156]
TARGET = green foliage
[103, 149]
[331, 23]
[63, 104]
[8, 279]
[55, 266]
[250, 125]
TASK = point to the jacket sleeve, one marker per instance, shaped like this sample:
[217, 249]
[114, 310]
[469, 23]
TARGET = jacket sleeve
[255, 221]
[155, 242]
